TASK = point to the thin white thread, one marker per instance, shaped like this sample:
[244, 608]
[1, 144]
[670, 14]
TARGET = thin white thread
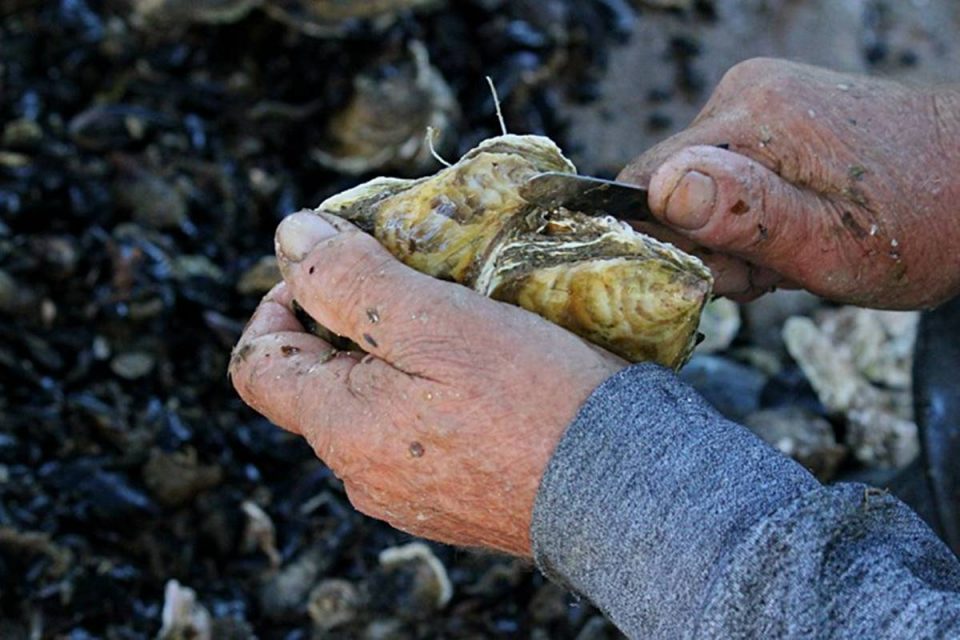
[496, 103]
[431, 134]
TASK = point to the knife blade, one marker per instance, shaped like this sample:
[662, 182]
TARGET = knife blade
[552, 190]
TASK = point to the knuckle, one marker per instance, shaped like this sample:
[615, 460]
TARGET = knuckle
[361, 500]
[751, 71]
[763, 87]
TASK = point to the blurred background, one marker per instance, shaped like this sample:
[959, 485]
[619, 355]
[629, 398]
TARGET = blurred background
[148, 149]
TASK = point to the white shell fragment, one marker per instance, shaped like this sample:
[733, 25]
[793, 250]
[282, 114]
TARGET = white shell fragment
[333, 602]
[858, 361]
[719, 325]
[260, 532]
[432, 574]
[183, 618]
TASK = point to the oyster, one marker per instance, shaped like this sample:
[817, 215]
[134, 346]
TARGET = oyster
[596, 276]
[382, 126]
[316, 18]
[329, 18]
[163, 13]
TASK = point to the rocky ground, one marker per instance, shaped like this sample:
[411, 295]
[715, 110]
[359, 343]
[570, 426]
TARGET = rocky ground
[147, 152]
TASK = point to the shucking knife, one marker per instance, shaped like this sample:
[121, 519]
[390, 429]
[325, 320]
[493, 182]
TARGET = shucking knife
[553, 189]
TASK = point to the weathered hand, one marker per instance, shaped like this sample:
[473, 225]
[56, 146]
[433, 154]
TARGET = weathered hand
[792, 175]
[445, 428]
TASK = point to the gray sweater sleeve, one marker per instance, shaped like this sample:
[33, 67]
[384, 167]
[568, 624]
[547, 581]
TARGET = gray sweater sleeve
[680, 524]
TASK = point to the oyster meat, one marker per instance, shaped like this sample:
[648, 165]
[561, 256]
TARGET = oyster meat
[594, 275]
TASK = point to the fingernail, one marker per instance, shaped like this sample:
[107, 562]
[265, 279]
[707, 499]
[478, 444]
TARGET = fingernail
[691, 202]
[299, 233]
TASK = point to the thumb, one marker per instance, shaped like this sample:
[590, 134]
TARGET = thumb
[730, 203]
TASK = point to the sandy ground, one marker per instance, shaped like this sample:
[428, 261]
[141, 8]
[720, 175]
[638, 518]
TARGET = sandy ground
[910, 40]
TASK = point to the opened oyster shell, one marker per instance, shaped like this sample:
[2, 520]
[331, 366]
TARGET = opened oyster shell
[596, 276]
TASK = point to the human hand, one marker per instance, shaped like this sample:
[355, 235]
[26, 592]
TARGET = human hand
[446, 427]
[792, 175]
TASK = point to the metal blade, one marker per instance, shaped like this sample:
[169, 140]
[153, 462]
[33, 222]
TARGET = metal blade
[588, 195]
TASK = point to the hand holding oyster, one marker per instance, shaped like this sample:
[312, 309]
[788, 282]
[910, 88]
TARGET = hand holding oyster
[594, 275]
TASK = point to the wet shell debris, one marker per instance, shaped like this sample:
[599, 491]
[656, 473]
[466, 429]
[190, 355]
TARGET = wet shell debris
[144, 166]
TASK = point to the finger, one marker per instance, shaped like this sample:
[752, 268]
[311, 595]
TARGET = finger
[272, 315]
[271, 372]
[759, 281]
[730, 203]
[718, 130]
[275, 361]
[350, 284]
[732, 276]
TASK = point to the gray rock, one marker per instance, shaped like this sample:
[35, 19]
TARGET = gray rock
[766, 316]
[802, 435]
[733, 388]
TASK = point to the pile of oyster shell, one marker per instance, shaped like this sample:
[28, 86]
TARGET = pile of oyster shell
[592, 274]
